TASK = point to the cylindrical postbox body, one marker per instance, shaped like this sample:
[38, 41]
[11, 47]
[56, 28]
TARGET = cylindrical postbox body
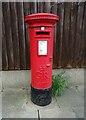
[41, 31]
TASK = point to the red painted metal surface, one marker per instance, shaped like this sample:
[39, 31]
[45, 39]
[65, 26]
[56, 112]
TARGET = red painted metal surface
[41, 30]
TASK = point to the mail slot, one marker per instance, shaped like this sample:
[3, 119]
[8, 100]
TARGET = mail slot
[41, 32]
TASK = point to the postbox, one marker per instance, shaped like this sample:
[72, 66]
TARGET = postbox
[41, 32]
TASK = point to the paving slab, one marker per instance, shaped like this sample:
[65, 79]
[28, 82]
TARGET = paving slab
[70, 98]
[57, 113]
[79, 111]
[81, 89]
[16, 79]
[75, 76]
[14, 104]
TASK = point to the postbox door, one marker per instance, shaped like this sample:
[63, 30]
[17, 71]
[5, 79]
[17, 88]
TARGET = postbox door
[41, 58]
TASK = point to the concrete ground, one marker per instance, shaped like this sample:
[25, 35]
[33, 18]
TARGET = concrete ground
[16, 101]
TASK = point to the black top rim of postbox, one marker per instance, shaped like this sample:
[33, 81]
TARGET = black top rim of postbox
[41, 16]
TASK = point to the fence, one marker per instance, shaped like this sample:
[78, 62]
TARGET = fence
[69, 40]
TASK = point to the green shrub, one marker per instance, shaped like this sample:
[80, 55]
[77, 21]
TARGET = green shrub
[59, 84]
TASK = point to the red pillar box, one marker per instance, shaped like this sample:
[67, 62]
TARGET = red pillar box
[41, 31]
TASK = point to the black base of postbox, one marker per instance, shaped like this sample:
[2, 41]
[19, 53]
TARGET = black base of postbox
[41, 97]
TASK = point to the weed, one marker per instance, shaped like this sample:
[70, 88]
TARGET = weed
[59, 84]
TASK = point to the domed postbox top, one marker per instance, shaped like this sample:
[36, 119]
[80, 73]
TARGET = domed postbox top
[42, 18]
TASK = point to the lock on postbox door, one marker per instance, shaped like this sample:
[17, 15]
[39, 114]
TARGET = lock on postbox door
[41, 29]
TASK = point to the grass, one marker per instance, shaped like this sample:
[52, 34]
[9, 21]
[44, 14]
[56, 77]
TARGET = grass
[59, 84]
